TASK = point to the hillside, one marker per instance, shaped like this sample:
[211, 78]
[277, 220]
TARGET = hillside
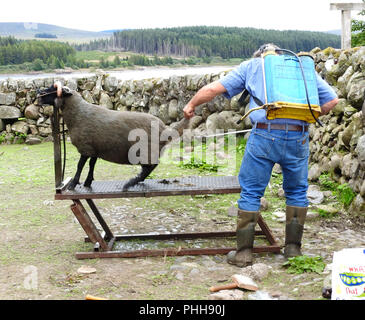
[203, 41]
[27, 30]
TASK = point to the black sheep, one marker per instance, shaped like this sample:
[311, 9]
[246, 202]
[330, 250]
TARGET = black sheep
[98, 132]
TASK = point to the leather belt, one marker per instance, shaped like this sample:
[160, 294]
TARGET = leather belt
[275, 126]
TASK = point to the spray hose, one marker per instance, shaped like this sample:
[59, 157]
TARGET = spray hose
[305, 84]
[247, 113]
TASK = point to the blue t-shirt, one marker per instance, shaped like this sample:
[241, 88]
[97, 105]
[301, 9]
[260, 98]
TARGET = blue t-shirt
[248, 75]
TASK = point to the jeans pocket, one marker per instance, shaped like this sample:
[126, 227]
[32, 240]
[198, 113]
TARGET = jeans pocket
[260, 146]
[303, 147]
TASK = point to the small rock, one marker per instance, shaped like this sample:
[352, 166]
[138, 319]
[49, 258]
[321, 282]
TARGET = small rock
[48, 203]
[276, 294]
[314, 172]
[314, 195]
[194, 272]
[177, 267]
[86, 270]
[329, 209]
[32, 140]
[328, 194]
[179, 276]
[257, 271]
[232, 211]
[312, 215]
[190, 264]
[281, 193]
[260, 295]
[227, 295]
[264, 204]
[279, 215]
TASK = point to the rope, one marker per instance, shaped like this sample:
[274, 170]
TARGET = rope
[224, 134]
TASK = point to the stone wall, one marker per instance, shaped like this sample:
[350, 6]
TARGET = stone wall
[338, 147]
[22, 119]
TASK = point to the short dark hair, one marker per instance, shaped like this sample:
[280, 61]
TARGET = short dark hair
[265, 47]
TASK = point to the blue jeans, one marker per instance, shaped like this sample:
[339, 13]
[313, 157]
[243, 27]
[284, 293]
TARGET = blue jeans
[264, 148]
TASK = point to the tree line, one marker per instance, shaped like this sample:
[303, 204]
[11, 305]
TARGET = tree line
[204, 41]
[36, 55]
[15, 51]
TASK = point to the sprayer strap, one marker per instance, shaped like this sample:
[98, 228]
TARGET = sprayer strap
[244, 95]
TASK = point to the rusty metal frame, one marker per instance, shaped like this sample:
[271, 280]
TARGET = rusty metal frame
[103, 241]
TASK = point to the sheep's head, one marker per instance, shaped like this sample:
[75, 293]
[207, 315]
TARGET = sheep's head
[49, 95]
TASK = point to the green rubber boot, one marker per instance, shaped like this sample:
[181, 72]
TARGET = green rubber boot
[295, 218]
[245, 233]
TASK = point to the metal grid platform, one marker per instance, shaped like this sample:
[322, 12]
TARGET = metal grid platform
[152, 188]
[104, 242]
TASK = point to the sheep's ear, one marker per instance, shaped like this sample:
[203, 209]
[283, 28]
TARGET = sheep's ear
[66, 92]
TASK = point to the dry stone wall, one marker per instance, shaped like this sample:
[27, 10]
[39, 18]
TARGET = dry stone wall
[338, 147]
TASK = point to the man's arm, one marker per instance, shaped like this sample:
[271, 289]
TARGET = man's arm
[204, 95]
[327, 107]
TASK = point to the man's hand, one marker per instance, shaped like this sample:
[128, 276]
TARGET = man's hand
[188, 111]
[204, 95]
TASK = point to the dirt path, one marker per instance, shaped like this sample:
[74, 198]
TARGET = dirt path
[173, 278]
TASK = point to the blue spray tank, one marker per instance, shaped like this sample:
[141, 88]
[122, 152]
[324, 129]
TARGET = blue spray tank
[290, 86]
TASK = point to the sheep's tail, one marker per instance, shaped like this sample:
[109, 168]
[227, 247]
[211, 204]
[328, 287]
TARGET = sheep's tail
[181, 125]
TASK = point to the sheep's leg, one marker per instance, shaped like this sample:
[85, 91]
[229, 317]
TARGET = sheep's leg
[145, 172]
[76, 180]
[90, 175]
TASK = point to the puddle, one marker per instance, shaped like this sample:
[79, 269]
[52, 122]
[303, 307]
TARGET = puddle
[131, 245]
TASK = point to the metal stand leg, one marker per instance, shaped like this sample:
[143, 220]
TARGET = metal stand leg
[108, 234]
[104, 244]
[88, 225]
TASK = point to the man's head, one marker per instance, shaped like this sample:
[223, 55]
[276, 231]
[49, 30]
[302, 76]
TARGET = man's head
[264, 48]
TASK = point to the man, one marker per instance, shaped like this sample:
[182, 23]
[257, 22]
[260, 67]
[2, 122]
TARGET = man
[282, 141]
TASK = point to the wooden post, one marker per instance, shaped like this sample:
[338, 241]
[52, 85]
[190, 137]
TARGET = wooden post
[346, 9]
[57, 147]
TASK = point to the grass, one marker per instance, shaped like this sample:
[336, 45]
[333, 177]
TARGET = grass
[97, 55]
[327, 183]
[27, 196]
[344, 193]
[201, 165]
[36, 230]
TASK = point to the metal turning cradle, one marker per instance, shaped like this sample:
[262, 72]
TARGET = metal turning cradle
[104, 241]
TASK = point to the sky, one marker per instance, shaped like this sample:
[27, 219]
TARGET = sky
[311, 15]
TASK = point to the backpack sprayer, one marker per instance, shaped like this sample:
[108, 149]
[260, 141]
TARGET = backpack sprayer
[290, 87]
